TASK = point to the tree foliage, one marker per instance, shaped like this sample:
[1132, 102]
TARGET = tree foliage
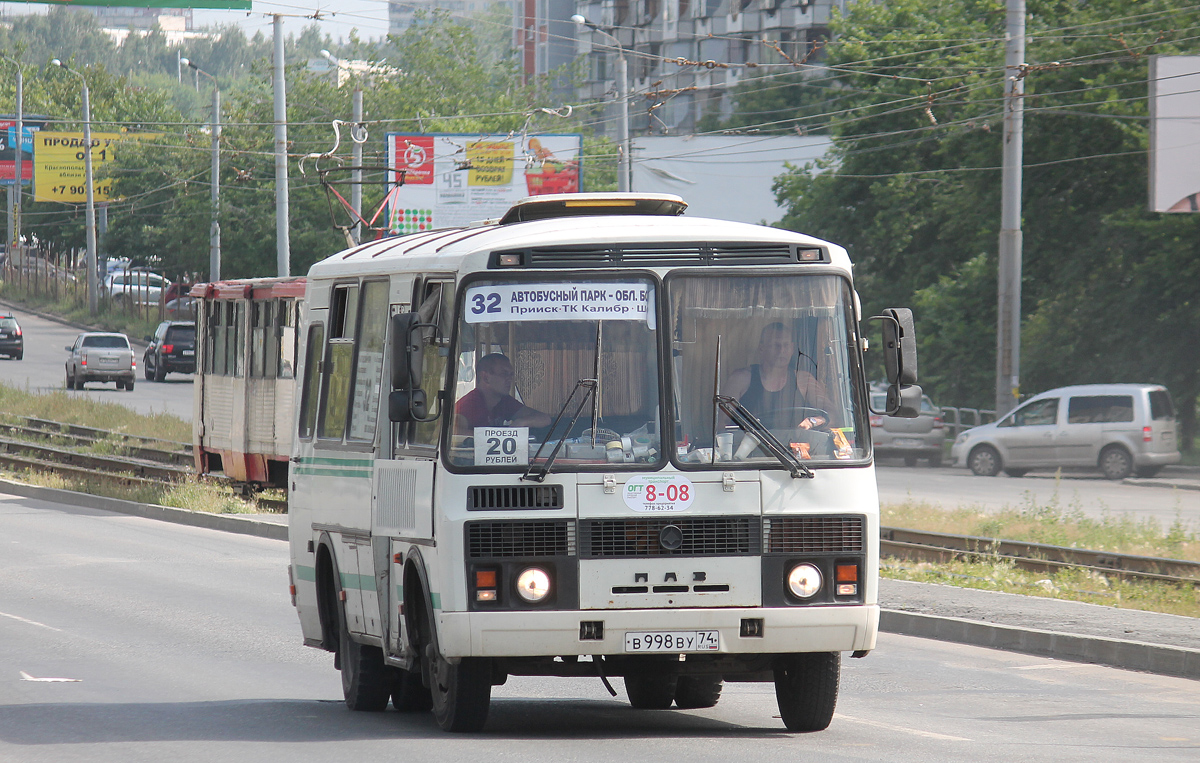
[913, 190]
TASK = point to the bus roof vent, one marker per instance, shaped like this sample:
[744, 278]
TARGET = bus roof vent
[593, 204]
[647, 255]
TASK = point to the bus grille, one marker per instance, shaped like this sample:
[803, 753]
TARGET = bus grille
[702, 536]
[500, 539]
[813, 535]
[502, 497]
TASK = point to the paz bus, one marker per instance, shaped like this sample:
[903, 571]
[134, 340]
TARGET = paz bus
[593, 437]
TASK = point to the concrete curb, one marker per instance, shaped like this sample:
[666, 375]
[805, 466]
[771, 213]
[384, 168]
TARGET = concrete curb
[1129, 655]
[233, 523]
[1155, 482]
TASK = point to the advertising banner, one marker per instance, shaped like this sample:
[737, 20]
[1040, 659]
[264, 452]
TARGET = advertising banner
[59, 161]
[453, 179]
[233, 5]
[8, 148]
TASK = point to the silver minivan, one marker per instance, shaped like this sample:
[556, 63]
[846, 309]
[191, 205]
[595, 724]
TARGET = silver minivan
[1122, 429]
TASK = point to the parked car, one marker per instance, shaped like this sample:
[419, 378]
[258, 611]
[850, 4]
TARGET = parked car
[12, 340]
[1121, 429]
[172, 349]
[922, 437]
[101, 357]
[180, 308]
[135, 286]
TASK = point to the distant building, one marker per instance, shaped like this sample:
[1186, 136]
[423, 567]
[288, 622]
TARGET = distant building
[401, 16]
[655, 34]
[168, 19]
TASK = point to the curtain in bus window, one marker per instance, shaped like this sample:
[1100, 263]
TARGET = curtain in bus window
[436, 308]
[369, 367]
[312, 379]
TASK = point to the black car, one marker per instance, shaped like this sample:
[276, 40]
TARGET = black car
[12, 343]
[172, 349]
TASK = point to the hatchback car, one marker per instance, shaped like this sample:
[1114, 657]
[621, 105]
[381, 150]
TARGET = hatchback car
[172, 349]
[922, 437]
[12, 340]
[1121, 429]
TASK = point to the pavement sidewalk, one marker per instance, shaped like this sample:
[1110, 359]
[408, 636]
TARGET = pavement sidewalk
[1067, 630]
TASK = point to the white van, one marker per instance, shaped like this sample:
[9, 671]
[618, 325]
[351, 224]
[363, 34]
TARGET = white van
[1122, 429]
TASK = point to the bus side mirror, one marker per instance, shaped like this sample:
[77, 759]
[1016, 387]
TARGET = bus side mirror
[406, 351]
[900, 362]
[407, 405]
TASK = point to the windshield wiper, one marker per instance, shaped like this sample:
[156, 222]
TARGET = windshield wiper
[589, 387]
[753, 427]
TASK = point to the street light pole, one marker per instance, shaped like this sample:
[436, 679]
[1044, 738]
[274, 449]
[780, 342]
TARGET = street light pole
[624, 171]
[214, 227]
[93, 285]
[1008, 319]
[283, 244]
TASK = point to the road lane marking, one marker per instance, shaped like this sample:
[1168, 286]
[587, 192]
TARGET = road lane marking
[30, 622]
[903, 729]
[26, 677]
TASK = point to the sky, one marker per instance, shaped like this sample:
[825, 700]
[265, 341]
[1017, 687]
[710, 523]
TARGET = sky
[339, 16]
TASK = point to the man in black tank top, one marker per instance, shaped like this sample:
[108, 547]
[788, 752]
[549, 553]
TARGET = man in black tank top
[772, 389]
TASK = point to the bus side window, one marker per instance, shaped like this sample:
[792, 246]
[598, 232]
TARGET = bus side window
[436, 308]
[368, 368]
[312, 379]
[339, 358]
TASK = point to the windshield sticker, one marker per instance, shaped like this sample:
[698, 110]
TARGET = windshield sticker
[560, 302]
[501, 446]
[658, 493]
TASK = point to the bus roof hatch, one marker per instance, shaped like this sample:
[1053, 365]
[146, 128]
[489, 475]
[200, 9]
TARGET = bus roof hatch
[593, 204]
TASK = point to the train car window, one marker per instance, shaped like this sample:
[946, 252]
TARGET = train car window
[368, 367]
[436, 308]
[335, 399]
[258, 339]
[235, 341]
[287, 339]
[312, 378]
[214, 360]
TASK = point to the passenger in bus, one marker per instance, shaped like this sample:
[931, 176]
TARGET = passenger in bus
[490, 404]
[776, 389]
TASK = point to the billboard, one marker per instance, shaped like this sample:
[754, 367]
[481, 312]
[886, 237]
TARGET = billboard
[452, 179]
[1174, 133]
[8, 148]
[59, 161]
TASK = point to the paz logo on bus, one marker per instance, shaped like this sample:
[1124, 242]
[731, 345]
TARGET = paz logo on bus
[658, 493]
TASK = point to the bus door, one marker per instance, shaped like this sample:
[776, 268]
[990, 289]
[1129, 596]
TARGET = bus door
[405, 481]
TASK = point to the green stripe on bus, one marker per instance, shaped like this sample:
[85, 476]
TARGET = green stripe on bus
[307, 574]
[332, 472]
[361, 582]
[337, 461]
[436, 600]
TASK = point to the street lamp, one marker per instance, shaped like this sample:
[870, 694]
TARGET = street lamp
[337, 66]
[214, 228]
[14, 192]
[90, 219]
[623, 170]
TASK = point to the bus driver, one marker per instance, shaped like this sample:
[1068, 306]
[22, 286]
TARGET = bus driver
[490, 404]
[774, 387]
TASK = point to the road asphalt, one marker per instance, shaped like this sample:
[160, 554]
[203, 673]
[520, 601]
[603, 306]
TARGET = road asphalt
[1067, 630]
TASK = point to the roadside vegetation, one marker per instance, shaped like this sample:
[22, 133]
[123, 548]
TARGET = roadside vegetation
[1060, 526]
[74, 309]
[69, 409]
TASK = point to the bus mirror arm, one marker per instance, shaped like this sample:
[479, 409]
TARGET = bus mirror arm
[900, 363]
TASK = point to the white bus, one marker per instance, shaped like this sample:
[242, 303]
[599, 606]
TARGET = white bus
[592, 438]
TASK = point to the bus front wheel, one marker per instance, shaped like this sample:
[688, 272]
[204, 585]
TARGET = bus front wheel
[462, 692]
[806, 686]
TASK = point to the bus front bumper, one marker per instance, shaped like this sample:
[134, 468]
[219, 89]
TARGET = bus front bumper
[836, 628]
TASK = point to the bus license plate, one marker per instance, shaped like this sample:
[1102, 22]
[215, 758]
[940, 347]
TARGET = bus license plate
[672, 641]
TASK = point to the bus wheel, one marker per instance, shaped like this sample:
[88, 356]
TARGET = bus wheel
[650, 692]
[461, 693]
[409, 695]
[366, 680]
[806, 687]
[695, 692]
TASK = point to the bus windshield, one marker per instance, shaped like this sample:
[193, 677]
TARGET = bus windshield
[557, 372]
[775, 346]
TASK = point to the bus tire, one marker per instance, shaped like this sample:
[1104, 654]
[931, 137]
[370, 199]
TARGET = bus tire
[650, 692]
[461, 693]
[409, 695]
[697, 692]
[366, 680]
[806, 687]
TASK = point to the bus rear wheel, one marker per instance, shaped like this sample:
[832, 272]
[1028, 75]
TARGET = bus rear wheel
[806, 687]
[650, 692]
[461, 693]
[409, 695]
[696, 692]
[366, 680]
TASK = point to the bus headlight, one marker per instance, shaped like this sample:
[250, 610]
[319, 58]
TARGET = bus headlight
[804, 581]
[533, 585]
